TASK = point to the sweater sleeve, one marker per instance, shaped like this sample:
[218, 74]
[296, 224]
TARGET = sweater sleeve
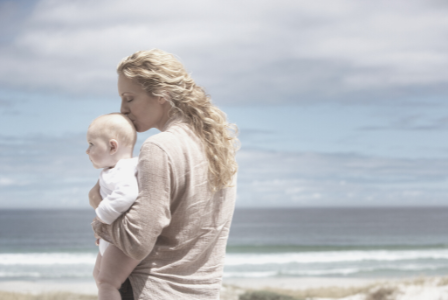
[136, 231]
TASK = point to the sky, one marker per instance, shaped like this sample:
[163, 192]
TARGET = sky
[338, 102]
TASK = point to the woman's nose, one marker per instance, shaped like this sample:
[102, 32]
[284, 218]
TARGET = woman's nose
[123, 109]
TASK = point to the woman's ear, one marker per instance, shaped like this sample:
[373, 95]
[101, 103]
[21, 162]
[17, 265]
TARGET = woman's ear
[163, 99]
[113, 144]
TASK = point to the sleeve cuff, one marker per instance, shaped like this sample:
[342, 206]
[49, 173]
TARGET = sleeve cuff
[105, 216]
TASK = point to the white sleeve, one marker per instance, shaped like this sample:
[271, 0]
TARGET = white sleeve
[119, 201]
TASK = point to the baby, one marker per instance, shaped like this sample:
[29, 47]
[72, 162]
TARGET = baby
[111, 141]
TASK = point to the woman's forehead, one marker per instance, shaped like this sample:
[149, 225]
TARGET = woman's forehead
[127, 86]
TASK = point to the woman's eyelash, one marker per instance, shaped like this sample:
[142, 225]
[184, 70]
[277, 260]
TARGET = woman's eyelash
[129, 100]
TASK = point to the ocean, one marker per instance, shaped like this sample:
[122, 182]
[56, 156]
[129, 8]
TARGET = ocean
[280, 242]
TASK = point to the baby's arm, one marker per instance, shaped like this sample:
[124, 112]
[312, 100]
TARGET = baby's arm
[119, 200]
[94, 196]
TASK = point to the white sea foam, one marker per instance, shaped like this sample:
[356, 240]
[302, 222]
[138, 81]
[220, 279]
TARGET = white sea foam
[329, 271]
[45, 273]
[250, 274]
[20, 274]
[357, 270]
[83, 258]
[234, 259]
[329, 263]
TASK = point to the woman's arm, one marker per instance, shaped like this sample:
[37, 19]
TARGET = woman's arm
[136, 231]
[95, 196]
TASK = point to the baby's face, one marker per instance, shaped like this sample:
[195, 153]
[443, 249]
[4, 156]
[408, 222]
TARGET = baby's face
[98, 151]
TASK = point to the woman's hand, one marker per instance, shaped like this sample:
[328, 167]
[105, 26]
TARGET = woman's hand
[97, 237]
[95, 196]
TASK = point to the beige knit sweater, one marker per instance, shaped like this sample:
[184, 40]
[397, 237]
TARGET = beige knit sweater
[177, 226]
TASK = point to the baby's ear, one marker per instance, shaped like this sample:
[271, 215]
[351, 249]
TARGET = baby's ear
[113, 144]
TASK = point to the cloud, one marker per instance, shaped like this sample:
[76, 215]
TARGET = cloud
[46, 171]
[319, 179]
[5, 103]
[12, 16]
[4, 181]
[412, 123]
[51, 172]
[7, 107]
[263, 51]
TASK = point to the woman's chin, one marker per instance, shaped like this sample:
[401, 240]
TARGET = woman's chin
[141, 129]
[137, 127]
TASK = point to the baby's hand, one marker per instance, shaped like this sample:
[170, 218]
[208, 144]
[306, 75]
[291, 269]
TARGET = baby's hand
[95, 196]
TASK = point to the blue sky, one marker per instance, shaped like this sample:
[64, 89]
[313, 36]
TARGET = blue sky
[339, 103]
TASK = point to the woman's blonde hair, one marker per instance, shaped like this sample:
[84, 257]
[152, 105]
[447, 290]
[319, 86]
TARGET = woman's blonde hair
[162, 75]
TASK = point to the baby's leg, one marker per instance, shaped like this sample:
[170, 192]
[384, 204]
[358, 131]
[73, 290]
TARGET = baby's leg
[96, 269]
[115, 267]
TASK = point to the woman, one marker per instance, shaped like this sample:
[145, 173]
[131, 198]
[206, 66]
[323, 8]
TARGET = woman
[179, 224]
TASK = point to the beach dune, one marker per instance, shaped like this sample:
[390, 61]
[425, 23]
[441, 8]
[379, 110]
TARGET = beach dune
[435, 288]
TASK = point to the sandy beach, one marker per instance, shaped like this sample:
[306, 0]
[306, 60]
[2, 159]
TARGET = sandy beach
[430, 288]
[89, 287]
[250, 288]
[295, 283]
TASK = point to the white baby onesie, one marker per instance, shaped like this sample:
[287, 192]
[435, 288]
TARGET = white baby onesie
[119, 189]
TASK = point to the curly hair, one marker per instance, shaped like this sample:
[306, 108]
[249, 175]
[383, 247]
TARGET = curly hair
[162, 75]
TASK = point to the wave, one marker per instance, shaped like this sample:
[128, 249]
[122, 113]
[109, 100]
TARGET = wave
[363, 270]
[84, 258]
[241, 259]
[250, 274]
[233, 259]
[20, 274]
[337, 272]
[377, 263]
[321, 248]
[45, 274]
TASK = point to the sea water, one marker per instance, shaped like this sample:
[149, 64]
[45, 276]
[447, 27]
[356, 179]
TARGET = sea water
[288, 242]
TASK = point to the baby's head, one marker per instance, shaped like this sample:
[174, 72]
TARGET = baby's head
[111, 137]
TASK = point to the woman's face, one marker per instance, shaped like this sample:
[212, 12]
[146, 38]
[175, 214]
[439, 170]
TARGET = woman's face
[145, 111]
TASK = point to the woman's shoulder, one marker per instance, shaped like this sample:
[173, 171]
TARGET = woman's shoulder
[163, 140]
[174, 140]
[159, 139]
